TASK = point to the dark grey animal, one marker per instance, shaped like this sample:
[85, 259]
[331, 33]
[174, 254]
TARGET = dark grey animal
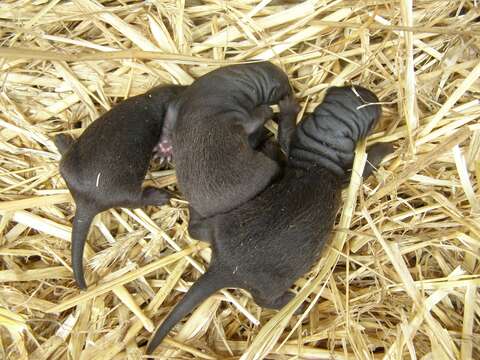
[268, 242]
[221, 117]
[106, 166]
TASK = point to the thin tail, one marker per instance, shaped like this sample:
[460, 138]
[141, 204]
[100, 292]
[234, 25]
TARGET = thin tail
[208, 284]
[63, 142]
[81, 224]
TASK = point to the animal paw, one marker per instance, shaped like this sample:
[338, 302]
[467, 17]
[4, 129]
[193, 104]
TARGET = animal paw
[163, 152]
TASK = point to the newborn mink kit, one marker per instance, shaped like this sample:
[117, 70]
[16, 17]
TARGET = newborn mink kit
[268, 242]
[216, 126]
[106, 166]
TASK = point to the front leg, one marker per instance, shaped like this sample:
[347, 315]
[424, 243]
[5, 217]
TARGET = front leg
[199, 228]
[375, 155]
[148, 196]
[163, 151]
[287, 121]
[271, 149]
[254, 126]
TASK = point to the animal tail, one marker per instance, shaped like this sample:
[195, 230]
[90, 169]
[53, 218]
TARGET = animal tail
[81, 224]
[63, 142]
[204, 287]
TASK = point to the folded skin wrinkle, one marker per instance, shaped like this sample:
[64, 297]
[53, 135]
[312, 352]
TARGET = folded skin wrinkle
[267, 243]
[106, 166]
[216, 127]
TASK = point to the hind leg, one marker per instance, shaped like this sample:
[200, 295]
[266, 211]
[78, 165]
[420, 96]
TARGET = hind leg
[278, 302]
[287, 121]
[148, 196]
[198, 227]
[163, 151]
[63, 142]
[154, 196]
[273, 302]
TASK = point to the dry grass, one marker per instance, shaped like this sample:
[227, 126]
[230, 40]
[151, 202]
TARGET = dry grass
[399, 279]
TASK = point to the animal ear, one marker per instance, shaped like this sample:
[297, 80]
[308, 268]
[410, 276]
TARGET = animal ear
[375, 155]
[63, 142]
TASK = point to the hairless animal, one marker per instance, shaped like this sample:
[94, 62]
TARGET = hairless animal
[106, 166]
[268, 242]
[215, 128]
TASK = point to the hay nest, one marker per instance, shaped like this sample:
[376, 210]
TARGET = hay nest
[399, 278]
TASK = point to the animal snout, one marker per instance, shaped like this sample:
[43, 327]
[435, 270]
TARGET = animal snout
[365, 95]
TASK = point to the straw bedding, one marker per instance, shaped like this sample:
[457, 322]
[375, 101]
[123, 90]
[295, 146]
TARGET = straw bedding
[399, 278]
